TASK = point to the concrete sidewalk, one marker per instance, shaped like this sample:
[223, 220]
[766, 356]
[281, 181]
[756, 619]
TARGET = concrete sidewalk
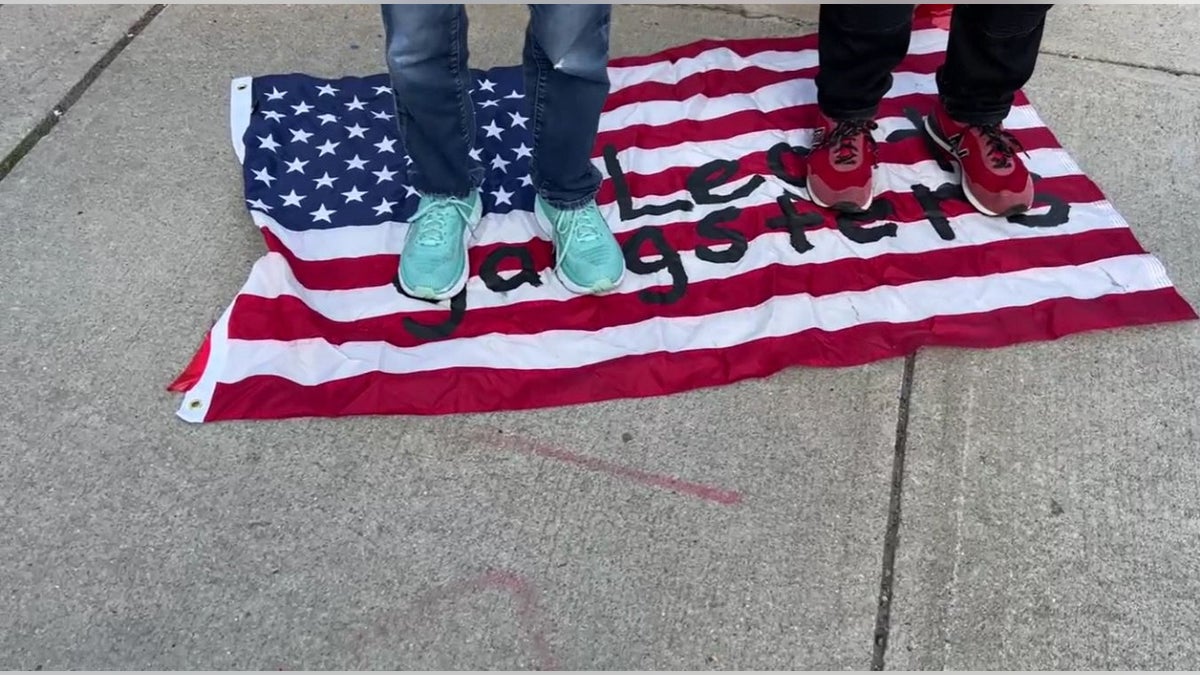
[1047, 503]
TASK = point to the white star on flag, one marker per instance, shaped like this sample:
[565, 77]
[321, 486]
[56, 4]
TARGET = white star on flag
[502, 196]
[322, 214]
[384, 206]
[354, 195]
[275, 94]
[509, 128]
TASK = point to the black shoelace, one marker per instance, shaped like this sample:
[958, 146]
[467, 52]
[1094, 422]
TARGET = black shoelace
[843, 137]
[1002, 146]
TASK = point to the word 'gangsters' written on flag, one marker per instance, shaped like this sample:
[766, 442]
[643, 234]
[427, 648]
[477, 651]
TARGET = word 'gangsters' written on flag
[734, 273]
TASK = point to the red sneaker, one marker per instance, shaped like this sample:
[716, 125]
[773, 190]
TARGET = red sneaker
[994, 178]
[840, 174]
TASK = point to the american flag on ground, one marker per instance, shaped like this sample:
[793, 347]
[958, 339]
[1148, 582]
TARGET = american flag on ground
[733, 273]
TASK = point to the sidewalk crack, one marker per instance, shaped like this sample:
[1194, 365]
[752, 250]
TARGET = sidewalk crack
[52, 118]
[1127, 64]
[891, 539]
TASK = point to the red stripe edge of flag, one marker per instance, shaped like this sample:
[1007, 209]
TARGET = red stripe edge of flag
[465, 390]
[195, 368]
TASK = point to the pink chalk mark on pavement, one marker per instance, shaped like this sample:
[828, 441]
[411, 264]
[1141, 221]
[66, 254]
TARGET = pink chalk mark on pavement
[525, 599]
[678, 485]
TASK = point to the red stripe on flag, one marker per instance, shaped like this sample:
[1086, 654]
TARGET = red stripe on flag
[740, 46]
[289, 318]
[195, 368]
[719, 82]
[462, 390]
[906, 151]
[380, 270]
[651, 136]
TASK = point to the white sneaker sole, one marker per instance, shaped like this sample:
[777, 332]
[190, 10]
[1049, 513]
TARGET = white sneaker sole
[870, 197]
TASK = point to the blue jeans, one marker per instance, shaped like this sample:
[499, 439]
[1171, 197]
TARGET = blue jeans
[566, 83]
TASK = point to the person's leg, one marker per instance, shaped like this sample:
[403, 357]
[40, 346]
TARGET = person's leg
[427, 60]
[566, 82]
[858, 46]
[566, 78]
[991, 54]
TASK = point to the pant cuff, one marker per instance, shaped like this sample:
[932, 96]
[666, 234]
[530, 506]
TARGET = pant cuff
[974, 117]
[839, 114]
[568, 204]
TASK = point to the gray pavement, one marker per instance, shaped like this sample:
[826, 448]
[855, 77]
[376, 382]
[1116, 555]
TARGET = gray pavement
[45, 52]
[1050, 509]
[1049, 516]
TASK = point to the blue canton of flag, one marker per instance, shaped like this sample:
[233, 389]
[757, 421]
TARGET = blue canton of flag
[327, 153]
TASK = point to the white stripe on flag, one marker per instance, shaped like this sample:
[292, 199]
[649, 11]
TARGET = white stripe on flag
[693, 153]
[889, 176]
[311, 362]
[926, 41]
[764, 99]
[272, 276]
[516, 227]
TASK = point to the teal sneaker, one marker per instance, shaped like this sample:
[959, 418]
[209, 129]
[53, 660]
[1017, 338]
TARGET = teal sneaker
[587, 258]
[433, 264]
